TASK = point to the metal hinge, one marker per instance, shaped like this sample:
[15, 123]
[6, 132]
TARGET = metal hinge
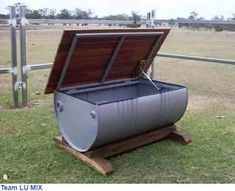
[142, 65]
[24, 22]
[26, 69]
[12, 22]
[20, 85]
[13, 70]
[141, 68]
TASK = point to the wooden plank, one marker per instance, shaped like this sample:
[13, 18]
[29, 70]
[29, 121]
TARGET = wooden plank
[131, 143]
[180, 136]
[99, 164]
[96, 158]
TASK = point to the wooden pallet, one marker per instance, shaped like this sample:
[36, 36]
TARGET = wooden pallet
[96, 158]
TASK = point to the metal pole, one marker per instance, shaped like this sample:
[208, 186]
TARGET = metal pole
[23, 71]
[152, 71]
[151, 80]
[197, 58]
[152, 18]
[14, 56]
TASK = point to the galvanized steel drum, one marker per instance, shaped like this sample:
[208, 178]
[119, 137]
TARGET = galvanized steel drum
[100, 95]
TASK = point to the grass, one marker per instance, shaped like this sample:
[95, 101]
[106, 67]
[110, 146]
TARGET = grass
[42, 44]
[29, 155]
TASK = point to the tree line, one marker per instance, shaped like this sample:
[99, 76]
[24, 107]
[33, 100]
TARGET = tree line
[47, 13]
[77, 13]
[197, 26]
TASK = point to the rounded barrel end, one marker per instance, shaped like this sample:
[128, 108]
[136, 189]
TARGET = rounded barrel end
[76, 121]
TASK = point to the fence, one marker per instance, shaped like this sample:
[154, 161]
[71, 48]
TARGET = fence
[121, 22]
[19, 71]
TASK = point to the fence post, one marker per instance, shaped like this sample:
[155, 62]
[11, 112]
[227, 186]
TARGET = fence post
[14, 55]
[152, 18]
[23, 71]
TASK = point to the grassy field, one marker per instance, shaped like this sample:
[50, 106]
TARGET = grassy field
[28, 154]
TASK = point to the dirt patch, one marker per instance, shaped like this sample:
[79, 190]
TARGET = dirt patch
[31, 104]
[198, 103]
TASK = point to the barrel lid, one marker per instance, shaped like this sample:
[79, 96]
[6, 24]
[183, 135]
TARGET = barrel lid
[96, 56]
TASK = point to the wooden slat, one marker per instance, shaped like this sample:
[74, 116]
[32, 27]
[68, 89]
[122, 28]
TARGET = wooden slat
[99, 164]
[131, 143]
[96, 158]
[180, 136]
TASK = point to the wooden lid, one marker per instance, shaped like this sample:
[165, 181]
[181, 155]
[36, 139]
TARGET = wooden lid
[92, 56]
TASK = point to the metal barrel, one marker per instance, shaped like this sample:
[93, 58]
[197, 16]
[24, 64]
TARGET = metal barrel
[93, 119]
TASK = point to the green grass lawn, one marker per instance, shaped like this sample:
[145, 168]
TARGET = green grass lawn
[29, 155]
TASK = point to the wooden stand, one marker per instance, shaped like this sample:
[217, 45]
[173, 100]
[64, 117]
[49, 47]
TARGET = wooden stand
[96, 158]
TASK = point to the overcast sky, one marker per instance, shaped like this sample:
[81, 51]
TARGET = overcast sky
[165, 9]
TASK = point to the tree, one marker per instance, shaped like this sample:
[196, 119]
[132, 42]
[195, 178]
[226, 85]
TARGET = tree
[233, 16]
[89, 13]
[64, 14]
[43, 12]
[116, 17]
[135, 16]
[180, 18]
[51, 14]
[193, 15]
[33, 14]
[80, 14]
[218, 18]
[201, 18]
[3, 16]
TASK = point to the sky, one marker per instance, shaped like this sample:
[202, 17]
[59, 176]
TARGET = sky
[165, 9]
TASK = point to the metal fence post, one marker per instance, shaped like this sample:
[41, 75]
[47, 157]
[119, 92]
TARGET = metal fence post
[14, 56]
[23, 71]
